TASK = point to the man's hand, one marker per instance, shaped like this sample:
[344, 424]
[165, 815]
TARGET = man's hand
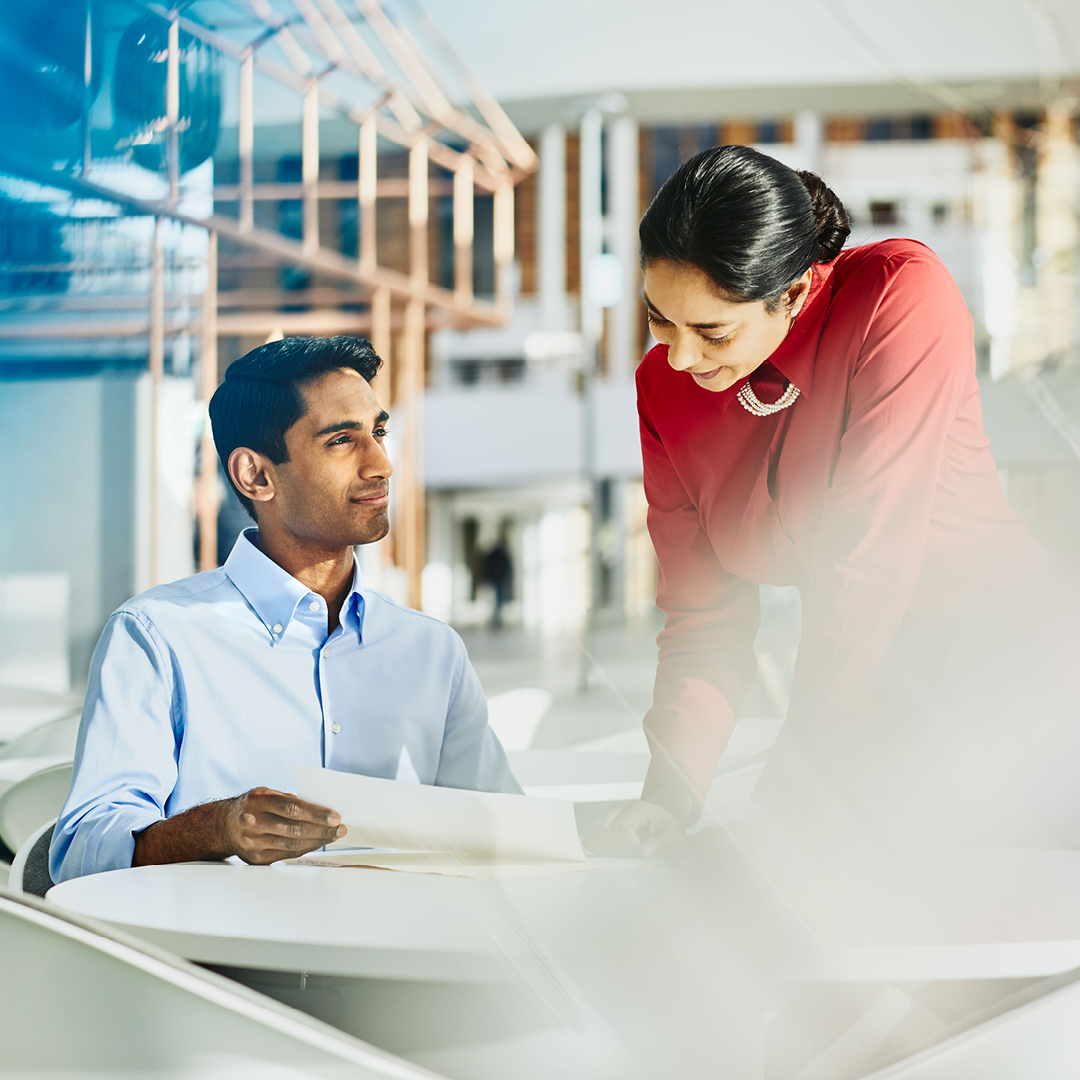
[264, 826]
[635, 829]
[261, 826]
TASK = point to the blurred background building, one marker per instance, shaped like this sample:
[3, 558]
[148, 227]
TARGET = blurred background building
[162, 212]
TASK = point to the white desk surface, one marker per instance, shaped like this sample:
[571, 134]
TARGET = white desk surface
[958, 913]
[967, 914]
[331, 920]
[609, 961]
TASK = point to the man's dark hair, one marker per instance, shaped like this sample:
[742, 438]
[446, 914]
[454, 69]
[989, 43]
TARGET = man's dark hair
[261, 397]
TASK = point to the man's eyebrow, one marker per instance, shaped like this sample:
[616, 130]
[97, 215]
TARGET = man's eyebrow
[351, 425]
[694, 326]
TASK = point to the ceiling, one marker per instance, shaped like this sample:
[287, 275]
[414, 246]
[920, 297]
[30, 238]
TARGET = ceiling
[529, 49]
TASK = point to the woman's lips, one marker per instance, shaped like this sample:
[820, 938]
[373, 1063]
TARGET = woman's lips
[707, 374]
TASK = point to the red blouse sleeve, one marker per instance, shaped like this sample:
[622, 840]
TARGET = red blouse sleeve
[707, 661]
[914, 370]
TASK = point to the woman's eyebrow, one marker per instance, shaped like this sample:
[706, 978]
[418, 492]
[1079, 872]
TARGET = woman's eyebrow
[694, 326]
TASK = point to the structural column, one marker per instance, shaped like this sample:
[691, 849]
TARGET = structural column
[503, 213]
[464, 195]
[809, 139]
[157, 373]
[310, 167]
[623, 209]
[551, 227]
[409, 517]
[1057, 230]
[207, 492]
[592, 224]
[246, 132]
[367, 248]
[172, 109]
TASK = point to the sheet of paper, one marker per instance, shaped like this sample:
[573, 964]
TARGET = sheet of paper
[468, 825]
[430, 862]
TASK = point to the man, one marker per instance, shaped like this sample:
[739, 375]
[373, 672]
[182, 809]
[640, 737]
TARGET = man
[204, 694]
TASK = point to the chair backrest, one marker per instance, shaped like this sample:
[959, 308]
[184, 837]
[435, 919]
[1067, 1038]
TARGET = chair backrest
[515, 716]
[142, 1011]
[56, 738]
[30, 871]
[1037, 1037]
[27, 805]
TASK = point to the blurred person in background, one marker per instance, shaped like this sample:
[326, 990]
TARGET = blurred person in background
[811, 417]
[497, 569]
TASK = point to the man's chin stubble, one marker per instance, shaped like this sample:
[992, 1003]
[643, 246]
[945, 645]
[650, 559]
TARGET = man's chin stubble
[374, 530]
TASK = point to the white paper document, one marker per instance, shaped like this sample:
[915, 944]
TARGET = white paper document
[466, 827]
[434, 862]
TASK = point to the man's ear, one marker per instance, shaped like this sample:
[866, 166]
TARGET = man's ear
[252, 473]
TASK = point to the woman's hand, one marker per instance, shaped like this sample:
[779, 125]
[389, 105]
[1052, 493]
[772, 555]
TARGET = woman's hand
[637, 829]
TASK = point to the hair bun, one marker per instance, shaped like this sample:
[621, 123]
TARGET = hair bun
[833, 223]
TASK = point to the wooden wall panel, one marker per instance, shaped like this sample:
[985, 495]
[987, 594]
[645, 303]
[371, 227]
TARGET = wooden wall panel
[526, 196]
[573, 214]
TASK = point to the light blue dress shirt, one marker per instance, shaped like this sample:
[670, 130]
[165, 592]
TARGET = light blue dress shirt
[218, 683]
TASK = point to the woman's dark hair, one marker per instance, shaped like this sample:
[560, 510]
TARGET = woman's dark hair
[745, 219]
[261, 396]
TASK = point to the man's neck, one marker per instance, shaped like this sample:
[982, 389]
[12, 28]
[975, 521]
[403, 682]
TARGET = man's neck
[325, 571]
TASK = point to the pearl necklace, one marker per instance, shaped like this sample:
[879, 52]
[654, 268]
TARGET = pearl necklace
[753, 404]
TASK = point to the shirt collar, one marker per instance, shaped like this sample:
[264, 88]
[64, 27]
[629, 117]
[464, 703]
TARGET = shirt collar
[274, 594]
[794, 357]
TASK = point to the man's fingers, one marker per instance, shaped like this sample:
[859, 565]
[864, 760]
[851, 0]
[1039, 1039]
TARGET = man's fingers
[265, 849]
[277, 828]
[291, 808]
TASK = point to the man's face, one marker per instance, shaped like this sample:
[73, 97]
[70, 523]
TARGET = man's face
[334, 489]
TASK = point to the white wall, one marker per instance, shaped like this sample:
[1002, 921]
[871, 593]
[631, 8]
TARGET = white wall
[525, 433]
[66, 470]
[178, 419]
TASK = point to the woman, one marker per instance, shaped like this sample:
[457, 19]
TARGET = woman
[811, 417]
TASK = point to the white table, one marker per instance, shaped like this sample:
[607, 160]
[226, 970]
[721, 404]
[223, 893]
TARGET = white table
[323, 920]
[941, 914]
[583, 957]
[684, 949]
[966, 914]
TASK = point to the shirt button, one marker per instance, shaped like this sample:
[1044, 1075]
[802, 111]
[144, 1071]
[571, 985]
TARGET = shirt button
[277, 628]
[313, 606]
[336, 729]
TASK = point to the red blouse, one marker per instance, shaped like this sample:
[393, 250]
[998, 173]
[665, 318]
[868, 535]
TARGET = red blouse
[874, 493]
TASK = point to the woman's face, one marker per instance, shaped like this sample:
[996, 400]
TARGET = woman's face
[712, 338]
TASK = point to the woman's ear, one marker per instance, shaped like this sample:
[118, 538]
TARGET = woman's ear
[252, 474]
[796, 294]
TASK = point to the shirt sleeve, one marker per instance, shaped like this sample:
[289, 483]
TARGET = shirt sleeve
[472, 756]
[125, 759]
[707, 662]
[914, 371]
